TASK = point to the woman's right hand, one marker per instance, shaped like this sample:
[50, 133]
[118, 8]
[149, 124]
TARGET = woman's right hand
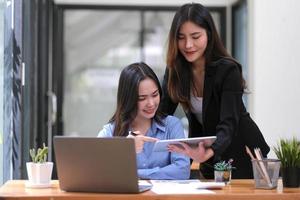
[199, 154]
[140, 139]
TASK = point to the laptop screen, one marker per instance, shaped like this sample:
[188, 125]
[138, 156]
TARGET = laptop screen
[96, 164]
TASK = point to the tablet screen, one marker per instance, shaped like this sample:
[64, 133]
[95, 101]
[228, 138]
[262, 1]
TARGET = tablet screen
[161, 145]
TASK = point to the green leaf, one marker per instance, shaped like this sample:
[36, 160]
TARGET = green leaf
[39, 156]
[288, 152]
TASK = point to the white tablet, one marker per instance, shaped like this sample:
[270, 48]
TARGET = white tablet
[161, 145]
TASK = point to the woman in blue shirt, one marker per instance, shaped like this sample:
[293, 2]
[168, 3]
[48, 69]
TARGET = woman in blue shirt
[137, 112]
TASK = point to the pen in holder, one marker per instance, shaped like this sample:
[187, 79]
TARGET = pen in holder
[265, 171]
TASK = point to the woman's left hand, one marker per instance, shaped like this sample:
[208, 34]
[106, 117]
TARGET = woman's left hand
[199, 154]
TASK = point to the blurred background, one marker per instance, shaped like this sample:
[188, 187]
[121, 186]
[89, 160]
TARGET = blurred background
[97, 45]
[60, 62]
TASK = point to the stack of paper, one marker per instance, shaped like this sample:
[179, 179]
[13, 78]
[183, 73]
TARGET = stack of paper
[192, 186]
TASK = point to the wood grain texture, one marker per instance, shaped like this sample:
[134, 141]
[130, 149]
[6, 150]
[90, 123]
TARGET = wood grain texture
[236, 190]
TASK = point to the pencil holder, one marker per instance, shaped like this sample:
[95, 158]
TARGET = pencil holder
[266, 173]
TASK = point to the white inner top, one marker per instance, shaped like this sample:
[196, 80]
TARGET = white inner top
[197, 107]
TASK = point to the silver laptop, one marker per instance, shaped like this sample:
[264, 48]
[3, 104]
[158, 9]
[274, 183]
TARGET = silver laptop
[105, 165]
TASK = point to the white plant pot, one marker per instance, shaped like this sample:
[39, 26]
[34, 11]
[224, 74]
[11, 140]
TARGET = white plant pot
[39, 173]
[223, 176]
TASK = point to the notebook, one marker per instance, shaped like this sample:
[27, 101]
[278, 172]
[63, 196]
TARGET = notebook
[106, 165]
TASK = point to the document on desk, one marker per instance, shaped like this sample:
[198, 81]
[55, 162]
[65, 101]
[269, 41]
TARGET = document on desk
[192, 186]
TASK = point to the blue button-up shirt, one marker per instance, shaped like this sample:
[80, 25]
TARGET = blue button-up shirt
[159, 165]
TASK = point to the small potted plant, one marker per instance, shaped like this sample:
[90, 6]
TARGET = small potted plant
[288, 152]
[223, 171]
[39, 171]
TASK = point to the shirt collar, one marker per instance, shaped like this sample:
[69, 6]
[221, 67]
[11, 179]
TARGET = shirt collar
[156, 126]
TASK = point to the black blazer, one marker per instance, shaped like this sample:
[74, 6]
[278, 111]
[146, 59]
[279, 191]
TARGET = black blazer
[225, 116]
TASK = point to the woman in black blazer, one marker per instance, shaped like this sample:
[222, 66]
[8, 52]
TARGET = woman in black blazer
[209, 85]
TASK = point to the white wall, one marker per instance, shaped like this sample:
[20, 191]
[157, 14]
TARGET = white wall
[275, 67]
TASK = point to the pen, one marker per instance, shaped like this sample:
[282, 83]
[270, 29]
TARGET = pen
[132, 133]
[264, 170]
[256, 163]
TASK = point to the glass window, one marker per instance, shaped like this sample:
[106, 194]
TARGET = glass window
[1, 86]
[157, 25]
[98, 44]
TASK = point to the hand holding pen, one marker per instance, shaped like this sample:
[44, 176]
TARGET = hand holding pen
[140, 139]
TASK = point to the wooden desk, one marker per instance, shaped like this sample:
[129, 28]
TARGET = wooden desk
[237, 190]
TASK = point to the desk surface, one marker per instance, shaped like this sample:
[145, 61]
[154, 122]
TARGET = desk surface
[237, 190]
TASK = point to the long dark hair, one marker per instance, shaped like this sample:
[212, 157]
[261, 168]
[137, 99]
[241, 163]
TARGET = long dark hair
[180, 79]
[127, 98]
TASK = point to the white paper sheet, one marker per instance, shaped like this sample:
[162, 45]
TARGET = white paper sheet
[193, 186]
